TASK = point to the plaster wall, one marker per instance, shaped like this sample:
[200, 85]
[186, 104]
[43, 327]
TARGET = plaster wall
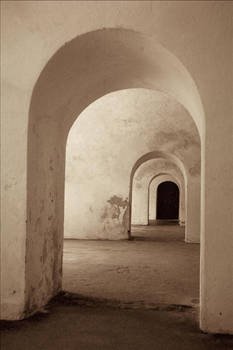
[200, 34]
[141, 193]
[102, 147]
[153, 186]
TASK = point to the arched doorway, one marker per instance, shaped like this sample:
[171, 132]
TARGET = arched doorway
[187, 188]
[72, 79]
[167, 201]
[178, 179]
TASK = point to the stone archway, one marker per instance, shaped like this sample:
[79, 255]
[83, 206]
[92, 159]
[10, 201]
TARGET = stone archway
[83, 70]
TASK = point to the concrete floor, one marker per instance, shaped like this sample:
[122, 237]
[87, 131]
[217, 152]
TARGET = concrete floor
[157, 267]
[130, 294]
[71, 327]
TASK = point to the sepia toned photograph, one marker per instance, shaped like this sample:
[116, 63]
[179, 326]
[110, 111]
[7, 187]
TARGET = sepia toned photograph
[116, 175]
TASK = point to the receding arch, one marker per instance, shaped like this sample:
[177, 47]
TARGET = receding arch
[81, 71]
[152, 195]
[156, 155]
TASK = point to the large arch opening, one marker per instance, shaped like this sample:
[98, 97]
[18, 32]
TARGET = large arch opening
[168, 201]
[88, 67]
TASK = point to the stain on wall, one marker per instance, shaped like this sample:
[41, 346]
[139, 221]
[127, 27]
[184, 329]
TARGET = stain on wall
[115, 218]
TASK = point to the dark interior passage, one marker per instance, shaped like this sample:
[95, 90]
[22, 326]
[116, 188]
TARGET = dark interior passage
[167, 201]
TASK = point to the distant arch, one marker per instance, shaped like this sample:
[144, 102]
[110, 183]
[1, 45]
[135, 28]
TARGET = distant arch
[147, 157]
[152, 196]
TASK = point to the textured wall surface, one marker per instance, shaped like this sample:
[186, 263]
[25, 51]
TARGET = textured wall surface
[199, 34]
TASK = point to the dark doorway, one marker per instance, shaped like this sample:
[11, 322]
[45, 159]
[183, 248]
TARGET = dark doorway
[167, 201]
